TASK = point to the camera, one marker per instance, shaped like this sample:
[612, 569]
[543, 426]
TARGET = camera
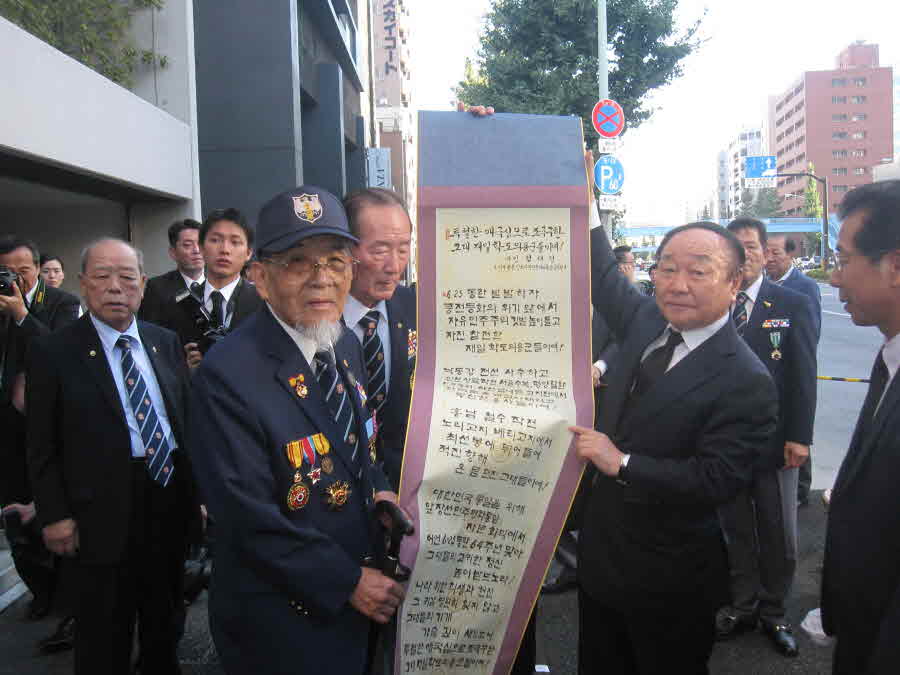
[7, 279]
[209, 333]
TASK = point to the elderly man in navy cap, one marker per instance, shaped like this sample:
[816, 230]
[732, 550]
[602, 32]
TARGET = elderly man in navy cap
[285, 451]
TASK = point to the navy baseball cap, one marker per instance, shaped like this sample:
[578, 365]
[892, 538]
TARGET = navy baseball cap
[295, 215]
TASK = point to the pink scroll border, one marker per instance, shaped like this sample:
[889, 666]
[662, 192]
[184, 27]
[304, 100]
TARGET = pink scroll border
[430, 199]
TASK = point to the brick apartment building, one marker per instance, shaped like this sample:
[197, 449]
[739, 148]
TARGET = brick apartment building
[841, 120]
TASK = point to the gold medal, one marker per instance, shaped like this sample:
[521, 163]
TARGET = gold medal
[302, 390]
[315, 475]
[298, 496]
[336, 495]
[327, 465]
[776, 355]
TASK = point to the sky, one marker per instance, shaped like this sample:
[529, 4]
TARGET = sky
[751, 51]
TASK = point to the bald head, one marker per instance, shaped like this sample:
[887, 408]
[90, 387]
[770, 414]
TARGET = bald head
[112, 281]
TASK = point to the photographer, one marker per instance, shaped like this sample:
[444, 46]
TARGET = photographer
[28, 308]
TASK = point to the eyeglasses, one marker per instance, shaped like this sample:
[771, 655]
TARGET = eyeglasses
[334, 266]
[842, 259]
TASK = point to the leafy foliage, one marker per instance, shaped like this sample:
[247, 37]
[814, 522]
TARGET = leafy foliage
[812, 206]
[94, 32]
[764, 204]
[540, 57]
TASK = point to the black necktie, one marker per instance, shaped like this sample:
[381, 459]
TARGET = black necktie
[196, 288]
[877, 384]
[739, 315]
[218, 301]
[656, 364]
[338, 401]
[373, 352]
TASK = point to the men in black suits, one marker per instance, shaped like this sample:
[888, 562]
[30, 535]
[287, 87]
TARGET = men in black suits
[379, 220]
[687, 408]
[761, 523]
[32, 309]
[184, 250]
[780, 251]
[112, 482]
[861, 581]
[285, 449]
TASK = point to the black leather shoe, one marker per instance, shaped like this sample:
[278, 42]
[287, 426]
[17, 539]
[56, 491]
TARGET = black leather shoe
[38, 608]
[62, 639]
[730, 623]
[782, 636]
[564, 581]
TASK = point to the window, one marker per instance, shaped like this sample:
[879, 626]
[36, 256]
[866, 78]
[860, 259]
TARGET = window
[839, 117]
[839, 82]
[839, 135]
[842, 171]
[839, 154]
[856, 153]
[858, 135]
[857, 100]
[859, 171]
[838, 99]
[840, 188]
[859, 82]
[859, 117]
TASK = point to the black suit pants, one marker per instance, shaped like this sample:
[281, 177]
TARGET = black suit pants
[145, 587]
[677, 639]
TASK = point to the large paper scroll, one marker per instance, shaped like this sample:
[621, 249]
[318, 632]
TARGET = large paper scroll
[503, 369]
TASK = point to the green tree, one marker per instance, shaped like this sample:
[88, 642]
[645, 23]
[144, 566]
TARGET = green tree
[94, 32]
[541, 57]
[705, 214]
[768, 203]
[812, 206]
[747, 209]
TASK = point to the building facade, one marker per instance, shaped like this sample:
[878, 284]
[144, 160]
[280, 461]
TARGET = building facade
[840, 120]
[749, 142]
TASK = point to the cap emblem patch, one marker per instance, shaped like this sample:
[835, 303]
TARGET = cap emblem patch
[308, 207]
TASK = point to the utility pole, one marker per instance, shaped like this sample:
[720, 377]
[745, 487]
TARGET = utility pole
[824, 183]
[602, 60]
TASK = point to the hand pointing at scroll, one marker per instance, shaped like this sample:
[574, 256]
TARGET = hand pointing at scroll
[597, 448]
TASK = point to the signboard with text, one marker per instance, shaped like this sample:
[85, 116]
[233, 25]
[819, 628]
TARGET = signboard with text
[759, 171]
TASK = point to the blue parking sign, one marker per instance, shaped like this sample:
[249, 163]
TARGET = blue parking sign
[609, 175]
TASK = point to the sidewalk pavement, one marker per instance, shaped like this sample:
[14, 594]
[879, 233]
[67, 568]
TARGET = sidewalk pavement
[750, 654]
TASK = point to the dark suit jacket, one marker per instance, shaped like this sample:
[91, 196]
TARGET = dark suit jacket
[693, 439]
[861, 582]
[395, 412]
[283, 577]
[51, 310]
[79, 446]
[159, 292]
[802, 284]
[794, 372]
[181, 317]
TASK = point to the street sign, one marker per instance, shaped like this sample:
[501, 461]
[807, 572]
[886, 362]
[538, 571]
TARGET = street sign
[608, 118]
[378, 168]
[609, 175]
[759, 171]
[609, 146]
[611, 203]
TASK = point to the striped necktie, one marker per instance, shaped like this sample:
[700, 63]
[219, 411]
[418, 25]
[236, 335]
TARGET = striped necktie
[740, 312]
[338, 401]
[373, 353]
[156, 445]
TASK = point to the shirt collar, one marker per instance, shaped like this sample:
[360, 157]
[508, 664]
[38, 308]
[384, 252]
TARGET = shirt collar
[29, 296]
[891, 354]
[753, 290]
[226, 291]
[109, 335]
[695, 337]
[188, 281]
[786, 275]
[306, 346]
[354, 310]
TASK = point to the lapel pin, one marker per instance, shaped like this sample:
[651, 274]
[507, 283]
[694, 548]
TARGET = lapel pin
[93, 353]
[767, 303]
[346, 364]
[399, 325]
[153, 347]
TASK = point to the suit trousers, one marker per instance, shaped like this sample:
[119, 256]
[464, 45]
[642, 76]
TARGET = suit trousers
[146, 586]
[760, 529]
[675, 639]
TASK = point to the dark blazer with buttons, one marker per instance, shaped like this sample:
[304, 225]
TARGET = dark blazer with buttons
[279, 599]
[394, 415]
[794, 369]
[158, 293]
[79, 446]
[799, 282]
[861, 579]
[693, 439]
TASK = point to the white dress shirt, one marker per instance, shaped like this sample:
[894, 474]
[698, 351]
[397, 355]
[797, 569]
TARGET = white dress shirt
[891, 355]
[227, 292]
[354, 310]
[306, 346]
[108, 337]
[691, 340]
[188, 281]
[786, 275]
[752, 292]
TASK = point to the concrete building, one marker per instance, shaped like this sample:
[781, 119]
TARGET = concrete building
[750, 141]
[393, 94]
[841, 120]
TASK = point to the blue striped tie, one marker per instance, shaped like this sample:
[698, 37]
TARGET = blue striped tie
[338, 401]
[373, 352]
[739, 315]
[156, 445]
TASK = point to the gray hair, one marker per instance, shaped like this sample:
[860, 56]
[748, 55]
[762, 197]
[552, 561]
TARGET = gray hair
[86, 252]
